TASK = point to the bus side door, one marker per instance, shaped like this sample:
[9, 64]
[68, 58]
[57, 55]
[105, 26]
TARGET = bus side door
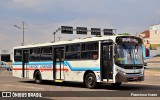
[58, 63]
[106, 61]
[25, 71]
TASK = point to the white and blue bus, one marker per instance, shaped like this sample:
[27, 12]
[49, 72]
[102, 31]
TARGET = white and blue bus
[108, 59]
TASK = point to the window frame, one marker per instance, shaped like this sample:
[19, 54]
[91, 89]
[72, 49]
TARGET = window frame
[43, 54]
[80, 52]
[70, 52]
[90, 51]
[35, 55]
[21, 55]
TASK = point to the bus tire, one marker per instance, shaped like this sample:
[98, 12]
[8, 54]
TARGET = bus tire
[116, 84]
[38, 78]
[90, 81]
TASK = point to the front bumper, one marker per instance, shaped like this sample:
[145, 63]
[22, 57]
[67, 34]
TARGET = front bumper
[129, 77]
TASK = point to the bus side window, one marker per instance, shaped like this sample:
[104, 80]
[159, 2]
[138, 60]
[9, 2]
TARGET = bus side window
[34, 54]
[72, 52]
[46, 54]
[95, 55]
[18, 55]
[89, 50]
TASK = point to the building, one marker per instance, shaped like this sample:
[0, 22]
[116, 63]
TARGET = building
[5, 55]
[151, 38]
[154, 34]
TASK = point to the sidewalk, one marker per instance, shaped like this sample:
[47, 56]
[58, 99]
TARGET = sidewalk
[154, 60]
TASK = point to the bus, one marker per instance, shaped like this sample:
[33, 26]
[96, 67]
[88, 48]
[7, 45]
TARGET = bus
[108, 59]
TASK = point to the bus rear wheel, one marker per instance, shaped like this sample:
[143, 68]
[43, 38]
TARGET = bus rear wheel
[90, 80]
[38, 77]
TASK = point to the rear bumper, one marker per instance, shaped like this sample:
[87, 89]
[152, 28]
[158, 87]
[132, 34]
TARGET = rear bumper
[129, 77]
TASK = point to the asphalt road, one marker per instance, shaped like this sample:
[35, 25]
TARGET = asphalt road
[150, 85]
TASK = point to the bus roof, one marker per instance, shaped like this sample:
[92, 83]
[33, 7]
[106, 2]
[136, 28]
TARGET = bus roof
[87, 39]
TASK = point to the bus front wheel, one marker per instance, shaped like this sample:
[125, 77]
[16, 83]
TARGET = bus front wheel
[38, 77]
[90, 81]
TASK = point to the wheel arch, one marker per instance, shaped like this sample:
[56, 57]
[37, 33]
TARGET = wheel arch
[35, 73]
[88, 71]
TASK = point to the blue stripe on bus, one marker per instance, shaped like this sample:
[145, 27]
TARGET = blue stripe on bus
[34, 63]
[66, 63]
[80, 68]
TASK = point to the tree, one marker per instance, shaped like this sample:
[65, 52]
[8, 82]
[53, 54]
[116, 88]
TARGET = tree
[124, 34]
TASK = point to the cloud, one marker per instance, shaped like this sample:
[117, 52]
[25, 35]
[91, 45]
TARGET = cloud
[31, 5]
[44, 16]
[88, 6]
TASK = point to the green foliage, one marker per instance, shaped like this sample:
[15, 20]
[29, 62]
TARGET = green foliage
[124, 34]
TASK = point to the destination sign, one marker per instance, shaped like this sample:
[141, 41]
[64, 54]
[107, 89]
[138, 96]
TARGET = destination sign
[128, 39]
[95, 31]
[108, 31]
[67, 29]
[81, 30]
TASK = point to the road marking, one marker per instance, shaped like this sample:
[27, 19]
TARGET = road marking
[20, 86]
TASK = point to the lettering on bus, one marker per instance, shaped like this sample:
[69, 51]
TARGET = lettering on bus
[45, 66]
[129, 40]
[40, 66]
[33, 66]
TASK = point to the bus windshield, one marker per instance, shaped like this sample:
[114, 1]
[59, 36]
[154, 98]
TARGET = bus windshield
[129, 54]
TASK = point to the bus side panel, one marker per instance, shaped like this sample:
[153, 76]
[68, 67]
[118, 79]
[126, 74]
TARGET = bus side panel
[17, 71]
[31, 73]
[47, 74]
[71, 76]
[77, 69]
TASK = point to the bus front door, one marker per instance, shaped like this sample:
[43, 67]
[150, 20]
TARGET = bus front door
[58, 61]
[25, 71]
[107, 62]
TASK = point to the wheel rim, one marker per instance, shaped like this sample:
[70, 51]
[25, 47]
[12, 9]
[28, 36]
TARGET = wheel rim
[90, 81]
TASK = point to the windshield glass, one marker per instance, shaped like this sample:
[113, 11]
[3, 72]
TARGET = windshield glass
[129, 54]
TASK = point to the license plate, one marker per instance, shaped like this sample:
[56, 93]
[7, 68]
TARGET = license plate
[135, 78]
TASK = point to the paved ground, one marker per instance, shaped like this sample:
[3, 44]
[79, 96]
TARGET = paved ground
[151, 84]
[154, 60]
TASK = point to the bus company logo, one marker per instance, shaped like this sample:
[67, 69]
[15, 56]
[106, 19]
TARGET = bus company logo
[134, 67]
[6, 94]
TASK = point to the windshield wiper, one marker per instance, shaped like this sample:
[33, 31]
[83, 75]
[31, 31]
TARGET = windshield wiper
[127, 49]
[135, 56]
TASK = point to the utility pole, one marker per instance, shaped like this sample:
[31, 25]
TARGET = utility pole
[59, 38]
[23, 33]
[23, 43]
[54, 34]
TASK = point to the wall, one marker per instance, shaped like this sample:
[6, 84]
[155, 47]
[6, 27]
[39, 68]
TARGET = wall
[154, 34]
[155, 52]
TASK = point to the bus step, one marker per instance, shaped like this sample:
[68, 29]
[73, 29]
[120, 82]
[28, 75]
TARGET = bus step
[108, 81]
[59, 81]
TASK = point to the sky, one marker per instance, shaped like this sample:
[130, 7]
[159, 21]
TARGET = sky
[43, 17]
